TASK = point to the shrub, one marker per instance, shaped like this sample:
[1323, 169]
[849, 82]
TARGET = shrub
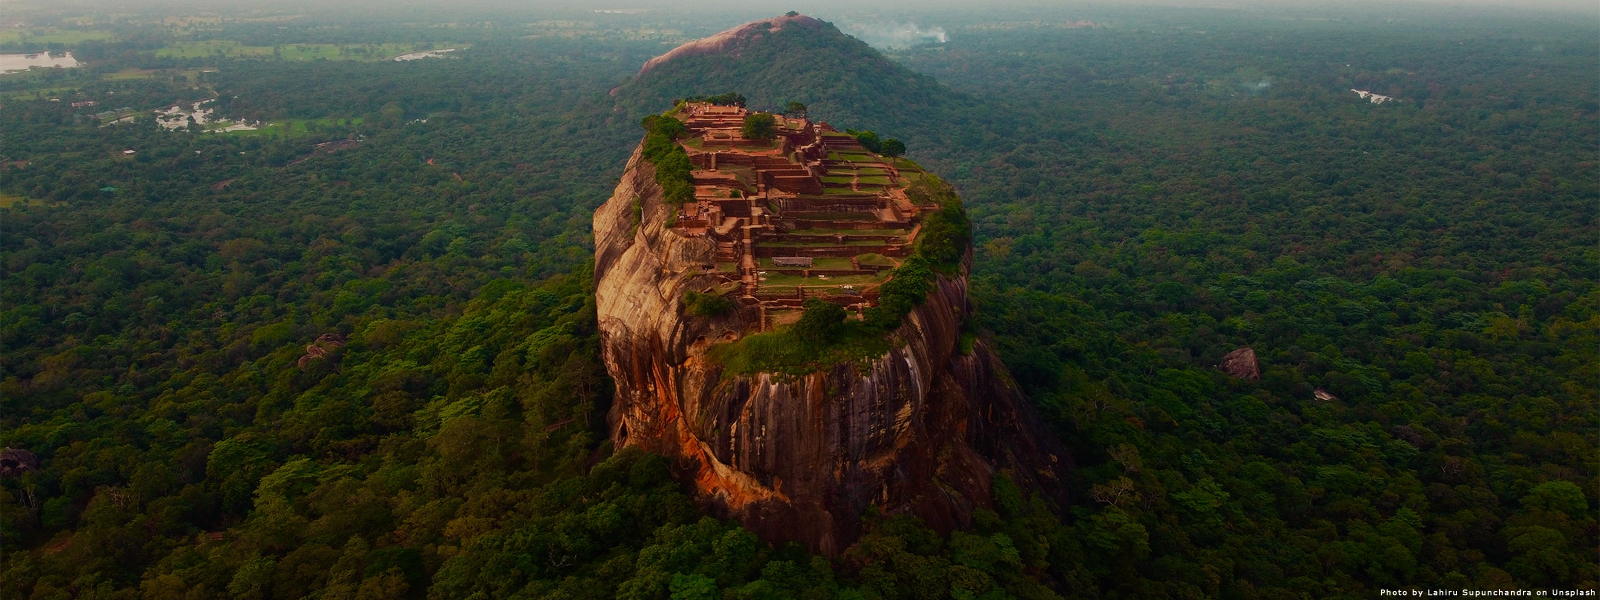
[868, 139]
[759, 126]
[820, 321]
[728, 99]
[706, 305]
[946, 232]
[672, 163]
[911, 283]
[893, 148]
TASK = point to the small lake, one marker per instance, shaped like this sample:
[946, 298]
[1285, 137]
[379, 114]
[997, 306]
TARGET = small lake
[422, 55]
[11, 63]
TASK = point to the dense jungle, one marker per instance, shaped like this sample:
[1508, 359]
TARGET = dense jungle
[332, 334]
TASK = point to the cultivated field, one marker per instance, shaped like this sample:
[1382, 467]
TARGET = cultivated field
[232, 49]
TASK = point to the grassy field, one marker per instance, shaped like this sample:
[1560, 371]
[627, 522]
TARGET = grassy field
[29, 84]
[823, 244]
[132, 74]
[782, 351]
[290, 127]
[854, 156]
[823, 262]
[779, 280]
[42, 36]
[32, 93]
[863, 171]
[907, 166]
[825, 231]
[11, 200]
[129, 115]
[233, 49]
[839, 191]
[876, 259]
[832, 216]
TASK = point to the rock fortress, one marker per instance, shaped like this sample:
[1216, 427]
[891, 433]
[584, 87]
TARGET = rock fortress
[922, 424]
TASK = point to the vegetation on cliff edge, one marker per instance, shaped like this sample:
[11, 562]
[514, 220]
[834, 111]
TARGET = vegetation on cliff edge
[671, 161]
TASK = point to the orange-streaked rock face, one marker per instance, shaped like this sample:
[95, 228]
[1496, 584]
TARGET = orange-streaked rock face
[729, 41]
[922, 429]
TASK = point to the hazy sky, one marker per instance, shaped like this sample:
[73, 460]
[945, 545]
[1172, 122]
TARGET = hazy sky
[882, 23]
[1590, 8]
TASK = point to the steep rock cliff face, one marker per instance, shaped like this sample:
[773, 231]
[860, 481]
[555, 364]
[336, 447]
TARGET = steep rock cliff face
[923, 430]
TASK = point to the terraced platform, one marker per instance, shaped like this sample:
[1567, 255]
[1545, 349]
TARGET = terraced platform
[809, 214]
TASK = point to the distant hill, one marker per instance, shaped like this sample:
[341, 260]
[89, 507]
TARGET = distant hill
[841, 80]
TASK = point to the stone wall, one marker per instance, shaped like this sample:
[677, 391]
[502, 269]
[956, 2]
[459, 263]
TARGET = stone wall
[768, 251]
[816, 272]
[833, 238]
[794, 181]
[826, 204]
[803, 224]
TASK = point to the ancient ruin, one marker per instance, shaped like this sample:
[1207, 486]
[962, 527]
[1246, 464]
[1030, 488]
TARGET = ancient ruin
[810, 213]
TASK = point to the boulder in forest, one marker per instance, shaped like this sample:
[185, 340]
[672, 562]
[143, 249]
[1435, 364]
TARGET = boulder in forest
[321, 348]
[1242, 364]
[16, 461]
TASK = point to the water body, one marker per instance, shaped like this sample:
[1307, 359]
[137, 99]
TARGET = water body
[422, 55]
[13, 63]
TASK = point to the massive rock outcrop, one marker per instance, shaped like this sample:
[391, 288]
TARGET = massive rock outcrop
[923, 429]
[733, 41]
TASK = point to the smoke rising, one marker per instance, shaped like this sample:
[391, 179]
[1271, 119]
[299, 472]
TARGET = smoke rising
[895, 34]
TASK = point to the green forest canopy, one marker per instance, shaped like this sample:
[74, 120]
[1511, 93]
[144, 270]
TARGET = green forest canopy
[1144, 199]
